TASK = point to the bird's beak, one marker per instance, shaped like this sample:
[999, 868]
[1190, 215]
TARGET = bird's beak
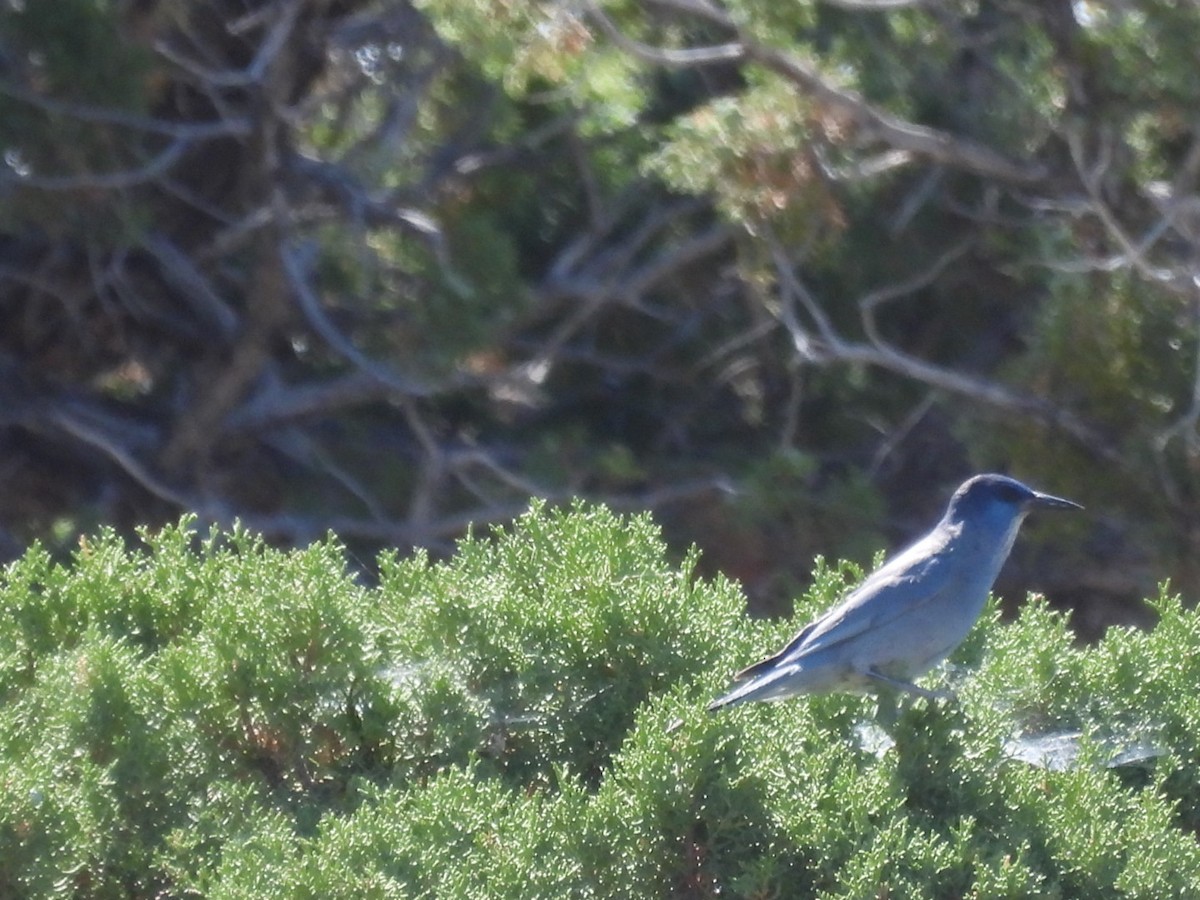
[1048, 501]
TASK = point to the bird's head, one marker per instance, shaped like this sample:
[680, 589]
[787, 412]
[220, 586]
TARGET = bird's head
[999, 500]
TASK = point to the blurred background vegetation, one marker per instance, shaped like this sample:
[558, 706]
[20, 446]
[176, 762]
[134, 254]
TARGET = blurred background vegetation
[784, 273]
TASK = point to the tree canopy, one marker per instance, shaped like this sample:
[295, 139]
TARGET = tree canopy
[783, 271]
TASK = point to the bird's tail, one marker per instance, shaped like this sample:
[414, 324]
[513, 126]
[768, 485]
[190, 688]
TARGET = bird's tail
[774, 685]
[730, 699]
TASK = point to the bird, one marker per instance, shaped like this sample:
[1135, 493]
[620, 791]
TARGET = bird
[910, 613]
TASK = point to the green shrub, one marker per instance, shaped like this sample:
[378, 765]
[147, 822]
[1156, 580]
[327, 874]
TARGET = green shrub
[217, 718]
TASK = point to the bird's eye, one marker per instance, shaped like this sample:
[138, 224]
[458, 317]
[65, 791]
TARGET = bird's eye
[1010, 493]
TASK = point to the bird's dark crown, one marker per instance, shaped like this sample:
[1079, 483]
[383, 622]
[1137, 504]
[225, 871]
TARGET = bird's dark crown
[983, 492]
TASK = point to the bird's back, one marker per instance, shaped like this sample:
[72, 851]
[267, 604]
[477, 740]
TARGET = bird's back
[905, 617]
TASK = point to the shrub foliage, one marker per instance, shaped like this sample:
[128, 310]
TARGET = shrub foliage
[214, 717]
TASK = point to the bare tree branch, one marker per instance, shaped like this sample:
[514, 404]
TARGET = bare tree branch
[152, 170]
[875, 5]
[879, 296]
[275, 406]
[827, 346]
[663, 56]
[319, 322]
[873, 123]
[268, 50]
[234, 126]
[111, 447]
[180, 271]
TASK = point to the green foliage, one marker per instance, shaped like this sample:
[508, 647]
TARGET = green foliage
[73, 52]
[527, 46]
[493, 189]
[75, 47]
[753, 154]
[1116, 352]
[1154, 39]
[562, 635]
[216, 718]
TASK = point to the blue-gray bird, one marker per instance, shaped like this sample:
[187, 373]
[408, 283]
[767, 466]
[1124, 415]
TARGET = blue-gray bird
[910, 613]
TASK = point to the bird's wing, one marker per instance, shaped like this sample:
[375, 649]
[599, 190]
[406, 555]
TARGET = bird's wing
[905, 583]
[771, 661]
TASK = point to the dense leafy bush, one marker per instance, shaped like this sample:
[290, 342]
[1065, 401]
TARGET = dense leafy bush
[213, 717]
